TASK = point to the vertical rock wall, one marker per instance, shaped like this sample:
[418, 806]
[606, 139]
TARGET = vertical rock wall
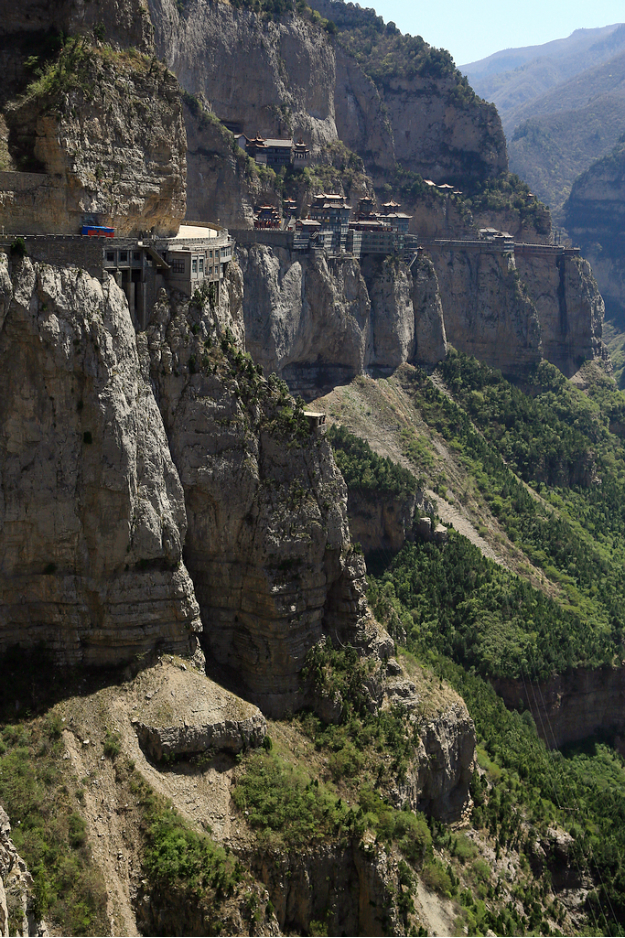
[487, 313]
[268, 542]
[92, 516]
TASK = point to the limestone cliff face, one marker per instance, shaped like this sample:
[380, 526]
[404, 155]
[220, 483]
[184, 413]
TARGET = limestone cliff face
[124, 22]
[354, 889]
[223, 184]
[318, 323]
[487, 314]
[380, 521]
[595, 219]
[445, 766]
[268, 543]
[92, 516]
[361, 118]
[569, 306]
[440, 139]
[431, 338]
[392, 334]
[112, 141]
[266, 76]
[306, 318]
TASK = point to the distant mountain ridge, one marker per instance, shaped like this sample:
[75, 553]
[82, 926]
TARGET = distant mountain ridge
[561, 105]
[565, 57]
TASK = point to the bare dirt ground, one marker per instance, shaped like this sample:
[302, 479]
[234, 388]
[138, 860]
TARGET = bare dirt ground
[201, 793]
[437, 915]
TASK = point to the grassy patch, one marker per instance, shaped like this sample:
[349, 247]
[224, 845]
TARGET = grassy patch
[48, 829]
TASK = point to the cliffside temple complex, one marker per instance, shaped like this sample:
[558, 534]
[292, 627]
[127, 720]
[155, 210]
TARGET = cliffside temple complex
[193, 257]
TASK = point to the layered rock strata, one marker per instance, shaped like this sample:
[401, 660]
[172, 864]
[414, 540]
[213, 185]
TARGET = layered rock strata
[570, 308]
[268, 543]
[487, 313]
[92, 515]
[185, 713]
[571, 706]
[353, 889]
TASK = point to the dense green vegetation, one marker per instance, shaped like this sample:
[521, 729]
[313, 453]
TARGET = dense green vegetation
[460, 614]
[507, 192]
[503, 436]
[581, 790]
[48, 830]
[384, 52]
[364, 469]
[483, 616]
[367, 752]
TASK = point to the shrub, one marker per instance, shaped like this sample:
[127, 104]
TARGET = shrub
[112, 744]
[18, 248]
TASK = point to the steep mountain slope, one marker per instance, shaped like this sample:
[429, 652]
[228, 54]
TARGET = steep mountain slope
[555, 138]
[169, 512]
[474, 437]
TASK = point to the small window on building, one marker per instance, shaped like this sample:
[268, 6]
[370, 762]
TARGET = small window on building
[177, 266]
[110, 257]
[201, 261]
[194, 266]
[123, 257]
[136, 255]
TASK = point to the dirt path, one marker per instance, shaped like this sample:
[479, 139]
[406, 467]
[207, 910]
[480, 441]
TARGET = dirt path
[449, 514]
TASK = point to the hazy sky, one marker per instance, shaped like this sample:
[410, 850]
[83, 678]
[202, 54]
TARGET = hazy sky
[473, 29]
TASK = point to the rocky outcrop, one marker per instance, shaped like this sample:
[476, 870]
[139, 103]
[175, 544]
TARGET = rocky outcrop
[92, 516]
[445, 765]
[430, 335]
[439, 774]
[352, 890]
[111, 139]
[440, 129]
[571, 706]
[17, 889]
[392, 325]
[379, 521]
[185, 713]
[268, 544]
